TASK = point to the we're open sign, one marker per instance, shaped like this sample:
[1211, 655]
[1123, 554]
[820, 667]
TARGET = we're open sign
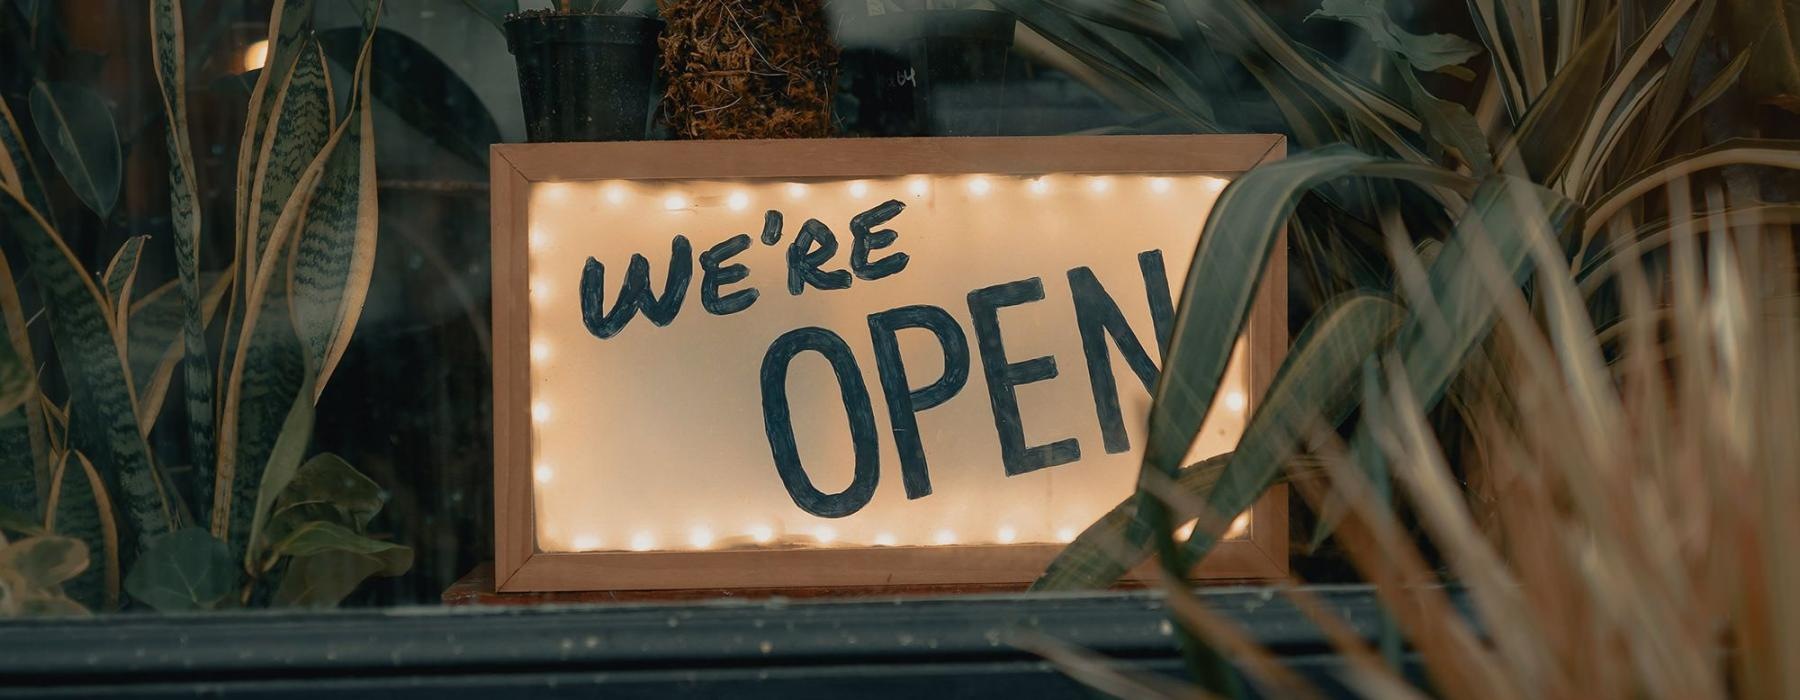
[844, 363]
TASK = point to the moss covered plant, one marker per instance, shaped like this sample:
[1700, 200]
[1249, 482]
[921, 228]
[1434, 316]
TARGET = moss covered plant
[95, 520]
[744, 69]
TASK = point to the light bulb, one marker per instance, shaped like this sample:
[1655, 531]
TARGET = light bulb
[945, 537]
[1040, 186]
[980, 186]
[538, 240]
[796, 190]
[825, 534]
[919, 187]
[1099, 184]
[586, 543]
[1186, 530]
[1066, 534]
[675, 202]
[1236, 401]
[1007, 535]
[642, 542]
[615, 194]
[540, 412]
[700, 537]
[540, 351]
[540, 289]
[884, 539]
[256, 55]
[763, 534]
[1159, 185]
[738, 201]
[858, 189]
[1240, 526]
[544, 473]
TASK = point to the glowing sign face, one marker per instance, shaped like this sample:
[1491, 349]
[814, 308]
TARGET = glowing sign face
[873, 365]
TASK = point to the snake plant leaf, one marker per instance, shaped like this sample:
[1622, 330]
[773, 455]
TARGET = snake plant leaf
[17, 383]
[421, 89]
[21, 522]
[80, 508]
[24, 446]
[79, 133]
[184, 570]
[272, 371]
[155, 341]
[300, 123]
[334, 257]
[330, 560]
[1312, 383]
[119, 276]
[283, 463]
[1147, 73]
[1672, 94]
[17, 171]
[103, 416]
[1442, 53]
[169, 54]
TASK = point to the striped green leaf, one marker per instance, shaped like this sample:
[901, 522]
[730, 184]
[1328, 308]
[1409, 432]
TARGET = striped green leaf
[1312, 384]
[300, 125]
[155, 340]
[170, 57]
[120, 274]
[80, 508]
[335, 254]
[78, 131]
[103, 415]
[17, 171]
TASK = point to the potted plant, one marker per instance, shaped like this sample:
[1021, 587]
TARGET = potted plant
[924, 67]
[585, 69]
[747, 69]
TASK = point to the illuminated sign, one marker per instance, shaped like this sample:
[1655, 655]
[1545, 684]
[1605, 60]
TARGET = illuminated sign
[844, 362]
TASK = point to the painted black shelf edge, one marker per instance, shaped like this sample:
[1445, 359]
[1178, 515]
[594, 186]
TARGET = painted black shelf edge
[954, 646]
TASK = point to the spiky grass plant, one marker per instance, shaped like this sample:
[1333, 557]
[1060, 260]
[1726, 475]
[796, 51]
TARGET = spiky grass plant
[1633, 530]
[1583, 265]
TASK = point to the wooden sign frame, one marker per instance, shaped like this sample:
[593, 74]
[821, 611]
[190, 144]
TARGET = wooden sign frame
[520, 565]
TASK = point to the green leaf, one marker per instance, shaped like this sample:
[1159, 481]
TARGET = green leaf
[328, 488]
[1496, 231]
[155, 343]
[299, 127]
[17, 171]
[184, 570]
[24, 448]
[80, 508]
[103, 416]
[1770, 30]
[421, 90]
[45, 561]
[1444, 53]
[330, 560]
[1546, 137]
[17, 382]
[328, 275]
[119, 276]
[79, 133]
[169, 54]
[20, 522]
[1451, 125]
[279, 470]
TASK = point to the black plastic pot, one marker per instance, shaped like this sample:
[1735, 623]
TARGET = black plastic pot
[927, 72]
[584, 77]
